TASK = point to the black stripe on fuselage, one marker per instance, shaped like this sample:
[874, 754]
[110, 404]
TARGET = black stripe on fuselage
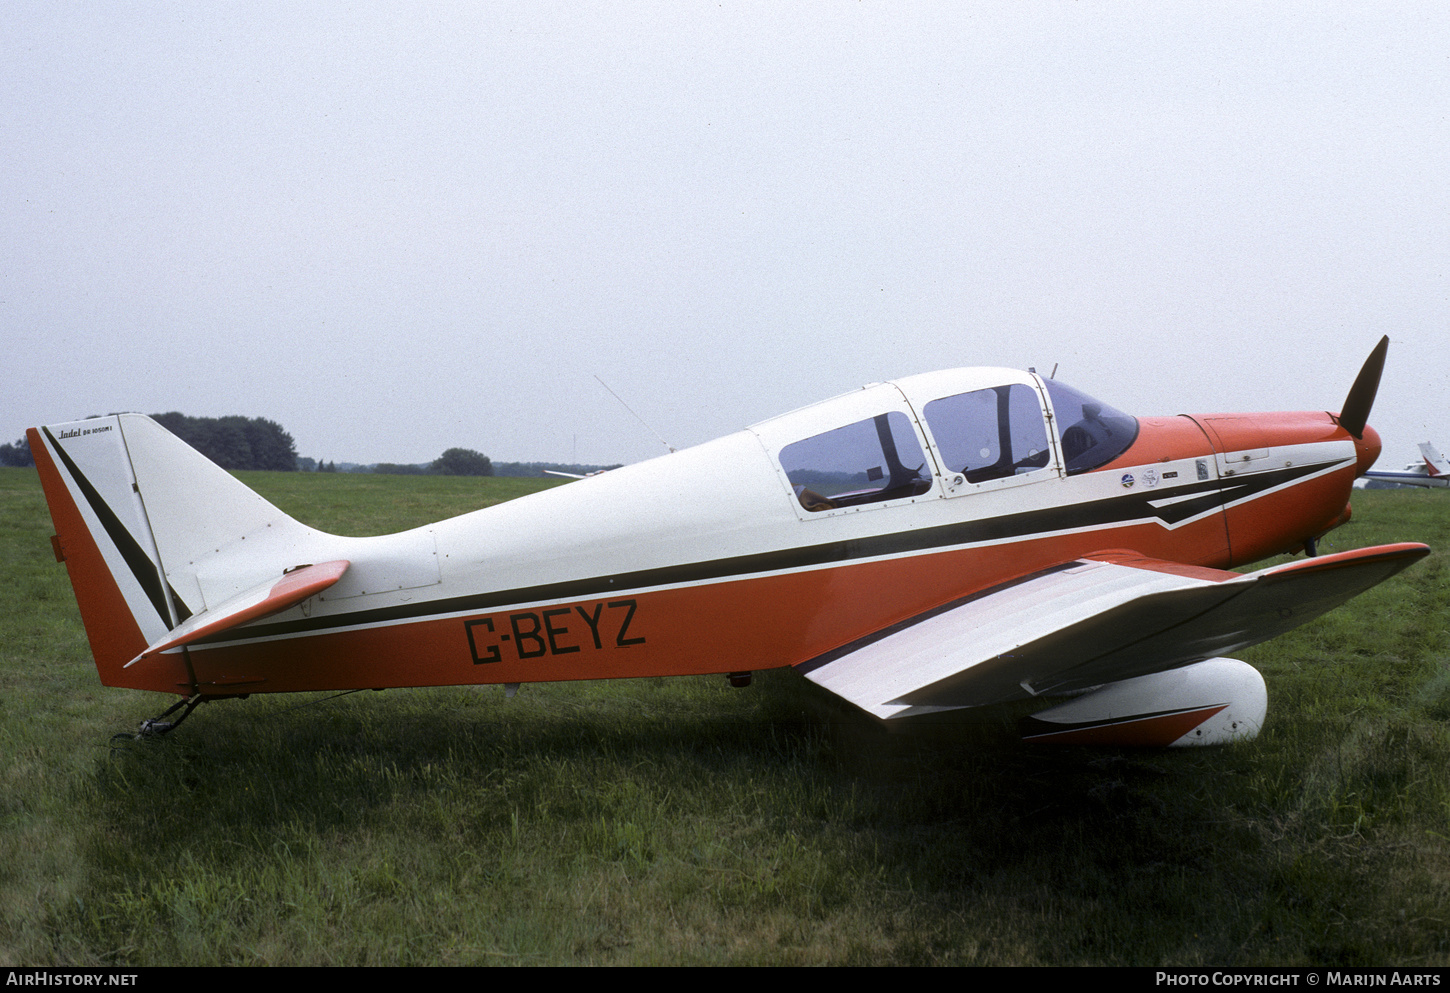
[142, 568]
[1114, 511]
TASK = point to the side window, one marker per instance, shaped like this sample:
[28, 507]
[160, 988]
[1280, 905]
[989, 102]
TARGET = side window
[866, 462]
[989, 434]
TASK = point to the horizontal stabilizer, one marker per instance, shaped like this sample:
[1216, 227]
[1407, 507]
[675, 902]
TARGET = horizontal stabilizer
[262, 600]
[1088, 622]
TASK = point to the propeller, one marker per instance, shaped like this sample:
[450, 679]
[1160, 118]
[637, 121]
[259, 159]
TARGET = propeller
[1355, 413]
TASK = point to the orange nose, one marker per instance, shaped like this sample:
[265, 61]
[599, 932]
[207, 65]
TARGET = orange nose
[1367, 449]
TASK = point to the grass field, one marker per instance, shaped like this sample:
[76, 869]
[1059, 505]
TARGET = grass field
[681, 821]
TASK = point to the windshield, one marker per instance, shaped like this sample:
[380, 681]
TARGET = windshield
[1092, 433]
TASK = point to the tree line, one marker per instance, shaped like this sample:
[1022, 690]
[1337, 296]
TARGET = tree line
[231, 442]
[236, 442]
[17, 454]
[453, 462]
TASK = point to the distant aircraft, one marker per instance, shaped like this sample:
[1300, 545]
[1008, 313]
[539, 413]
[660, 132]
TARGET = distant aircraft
[1435, 471]
[573, 475]
[955, 539]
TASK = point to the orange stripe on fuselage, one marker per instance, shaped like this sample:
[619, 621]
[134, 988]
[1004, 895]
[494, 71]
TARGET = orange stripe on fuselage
[733, 625]
[1256, 528]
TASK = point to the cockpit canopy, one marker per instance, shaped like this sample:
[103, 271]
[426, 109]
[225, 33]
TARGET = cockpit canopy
[975, 426]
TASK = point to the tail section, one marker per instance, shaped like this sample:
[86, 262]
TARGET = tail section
[141, 520]
[1435, 462]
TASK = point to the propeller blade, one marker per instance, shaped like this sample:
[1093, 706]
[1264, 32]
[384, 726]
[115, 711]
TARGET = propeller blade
[1355, 414]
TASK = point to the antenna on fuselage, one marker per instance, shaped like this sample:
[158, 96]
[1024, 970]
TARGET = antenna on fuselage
[636, 416]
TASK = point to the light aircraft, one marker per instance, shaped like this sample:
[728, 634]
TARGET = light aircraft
[955, 539]
[1435, 471]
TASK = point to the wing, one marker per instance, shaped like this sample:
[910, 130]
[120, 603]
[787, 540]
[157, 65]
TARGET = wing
[1101, 619]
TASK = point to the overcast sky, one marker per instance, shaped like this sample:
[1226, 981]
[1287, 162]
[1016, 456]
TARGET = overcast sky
[397, 228]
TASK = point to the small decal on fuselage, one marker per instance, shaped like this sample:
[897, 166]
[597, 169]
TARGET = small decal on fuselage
[1150, 477]
[552, 631]
[1127, 479]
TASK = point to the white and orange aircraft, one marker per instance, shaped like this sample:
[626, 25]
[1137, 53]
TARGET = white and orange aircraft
[949, 540]
[1434, 471]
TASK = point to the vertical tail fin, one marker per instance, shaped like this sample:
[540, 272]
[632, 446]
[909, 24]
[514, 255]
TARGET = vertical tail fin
[1435, 462]
[138, 515]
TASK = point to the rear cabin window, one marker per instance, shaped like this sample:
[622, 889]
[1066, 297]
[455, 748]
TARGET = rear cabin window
[866, 462]
[1093, 434]
[990, 434]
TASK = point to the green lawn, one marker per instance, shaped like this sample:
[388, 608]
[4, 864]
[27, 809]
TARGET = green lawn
[681, 821]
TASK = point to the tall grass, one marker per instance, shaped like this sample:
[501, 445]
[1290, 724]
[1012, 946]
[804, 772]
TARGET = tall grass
[681, 821]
